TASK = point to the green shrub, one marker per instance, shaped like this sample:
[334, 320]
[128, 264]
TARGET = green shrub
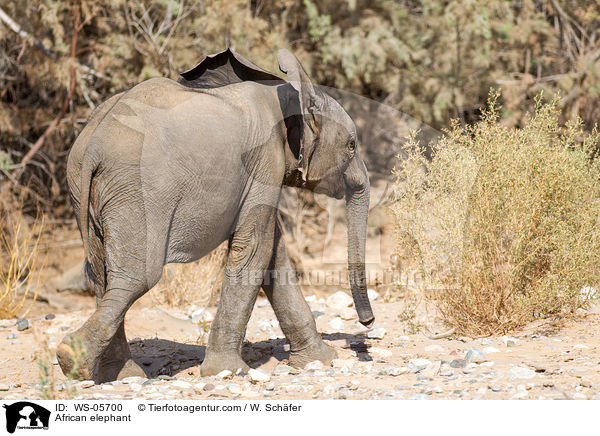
[503, 221]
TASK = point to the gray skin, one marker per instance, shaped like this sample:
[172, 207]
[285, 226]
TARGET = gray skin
[167, 171]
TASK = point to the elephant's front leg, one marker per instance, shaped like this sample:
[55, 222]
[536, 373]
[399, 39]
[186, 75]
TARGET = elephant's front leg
[250, 251]
[292, 311]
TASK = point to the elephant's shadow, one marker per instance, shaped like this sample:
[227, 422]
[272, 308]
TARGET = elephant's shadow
[164, 357]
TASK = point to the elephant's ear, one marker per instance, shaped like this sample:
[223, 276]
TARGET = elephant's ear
[225, 68]
[311, 103]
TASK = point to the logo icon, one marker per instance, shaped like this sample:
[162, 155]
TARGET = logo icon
[26, 415]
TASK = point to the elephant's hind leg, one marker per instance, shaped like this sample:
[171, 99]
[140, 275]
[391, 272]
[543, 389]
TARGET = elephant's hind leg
[292, 311]
[99, 349]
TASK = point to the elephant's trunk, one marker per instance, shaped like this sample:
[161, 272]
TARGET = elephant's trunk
[357, 210]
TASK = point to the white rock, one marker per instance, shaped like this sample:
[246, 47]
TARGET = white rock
[418, 364]
[365, 367]
[191, 310]
[224, 374]
[86, 384]
[377, 333]
[294, 388]
[199, 386]
[282, 369]
[128, 380]
[432, 370]
[234, 389]
[380, 353]
[373, 294]
[181, 384]
[339, 300]
[251, 394]
[107, 387]
[588, 293]
[311, 299]
[336, 323]
[520, 372]
[262, 302]
[314, 365]
[267, 324]
[329, 389]
[394, 371]
[339, 363]
[475, 356]
[434, 348]
[135, 387]
[348, 314]
[344, 370]
[580, 347]
[258, 375]
[491, 350]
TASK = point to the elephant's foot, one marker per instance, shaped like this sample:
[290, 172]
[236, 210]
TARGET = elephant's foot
[214, 363]
[116, 362]
[317, 351]
[74, 358]
[85, 359]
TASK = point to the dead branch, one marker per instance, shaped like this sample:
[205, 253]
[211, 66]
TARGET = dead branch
[15, 27]
[77, 25]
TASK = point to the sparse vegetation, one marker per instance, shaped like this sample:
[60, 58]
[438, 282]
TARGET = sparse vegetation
[19, 261]
[431, 59]
[47, 382]
[503, 221]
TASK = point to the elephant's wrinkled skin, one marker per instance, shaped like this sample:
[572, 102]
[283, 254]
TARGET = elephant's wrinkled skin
[166, 171]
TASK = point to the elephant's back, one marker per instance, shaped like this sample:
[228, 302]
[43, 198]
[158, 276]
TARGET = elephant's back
[179, 155]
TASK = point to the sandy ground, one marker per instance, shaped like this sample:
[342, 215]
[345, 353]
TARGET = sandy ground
[541, 362]
[550, 359]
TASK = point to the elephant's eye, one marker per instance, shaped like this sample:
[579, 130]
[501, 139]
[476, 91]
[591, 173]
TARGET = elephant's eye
[352, 145]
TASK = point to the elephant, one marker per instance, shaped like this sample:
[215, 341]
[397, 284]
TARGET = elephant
[168, 170]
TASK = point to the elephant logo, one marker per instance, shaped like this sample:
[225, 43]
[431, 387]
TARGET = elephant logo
[26, 415]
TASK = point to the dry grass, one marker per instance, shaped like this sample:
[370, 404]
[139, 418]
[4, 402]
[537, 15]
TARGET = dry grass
[19, 260]
[46, 386]
[503, 222]
[196, 283]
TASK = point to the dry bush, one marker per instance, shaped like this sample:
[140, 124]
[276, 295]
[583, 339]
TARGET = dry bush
[19, 260]
[503, 221]
[197, 283]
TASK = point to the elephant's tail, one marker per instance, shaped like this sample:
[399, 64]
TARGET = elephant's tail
[88, 168]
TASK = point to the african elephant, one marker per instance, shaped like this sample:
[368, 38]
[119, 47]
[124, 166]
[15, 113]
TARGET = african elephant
[166, 171]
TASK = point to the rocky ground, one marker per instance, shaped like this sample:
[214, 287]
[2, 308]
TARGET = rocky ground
[552, 359]
[399, 359]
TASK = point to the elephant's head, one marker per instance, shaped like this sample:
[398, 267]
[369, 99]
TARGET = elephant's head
[329, 162]
[326, 158]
